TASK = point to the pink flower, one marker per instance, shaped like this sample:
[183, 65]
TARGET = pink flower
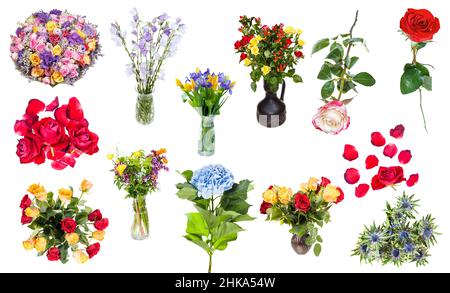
[46, 80]
[68, 54]
[73, 73]
[332, 118]
[40, 47]
[33, 43]
[65, 70]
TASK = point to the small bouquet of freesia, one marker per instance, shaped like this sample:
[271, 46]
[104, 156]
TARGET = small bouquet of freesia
[63, 224]
[304, 211]
[138, 175]
[206, 92]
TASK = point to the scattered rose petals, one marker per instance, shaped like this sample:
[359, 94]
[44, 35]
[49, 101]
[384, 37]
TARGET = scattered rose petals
[397, 131]
[371, 162]
[413, 179]
[361, 190]
[350, 153]
[404, 157]
[378, 139]
[390, 150]
[376, 183]
[53, 105]
[352, 176]
[34, 107]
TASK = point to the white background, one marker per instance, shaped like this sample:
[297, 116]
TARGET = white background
[286, 156]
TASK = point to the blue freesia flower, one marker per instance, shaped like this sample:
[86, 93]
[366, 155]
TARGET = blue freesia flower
[212, 180]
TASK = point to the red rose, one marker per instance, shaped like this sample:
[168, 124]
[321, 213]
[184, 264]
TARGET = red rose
[34, 107]
[68, 225]
[419, 25]
[22, 127]
[24, 219]
[93, 249]
[245, 40]
[53, 254]
[101, 224]
[288, 43]
[95, 216]
[25, 202]
[30, 150]
[387, 176]
[84, 140]
[264, 207]
[302, 202]
[341, 196]
[397, 131]
[324, 182]
[298, 54]
[54, 39]
[49, 130]
[237, 45]
[243, 56]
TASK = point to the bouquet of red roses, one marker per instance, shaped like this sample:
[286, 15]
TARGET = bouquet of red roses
[61, 138]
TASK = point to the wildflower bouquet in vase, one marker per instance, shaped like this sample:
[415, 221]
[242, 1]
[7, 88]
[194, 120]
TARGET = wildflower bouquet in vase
[138, 175]
[151, 44]
[272, 54]
[206, 92]
[303, 211]
[220, 203]
[63, 225]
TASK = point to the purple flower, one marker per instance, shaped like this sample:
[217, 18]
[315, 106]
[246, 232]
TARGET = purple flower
[47, 59]
[163, 17]
[88, 30]
[18, 31]
[66, 25]
[55, 12]
[154, 28]
[167, 31]
[75, 39]
[42, 16]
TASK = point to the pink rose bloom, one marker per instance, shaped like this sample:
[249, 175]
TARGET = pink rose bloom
[65, 61]
[46, 80]
[68, 54]
[65, 70]
[73, 73]
[33, 43]
[332, 118]
[77, 56]
[70, 18]
[40, 47]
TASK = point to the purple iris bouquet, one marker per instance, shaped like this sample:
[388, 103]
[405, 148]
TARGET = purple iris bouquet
[152, 42]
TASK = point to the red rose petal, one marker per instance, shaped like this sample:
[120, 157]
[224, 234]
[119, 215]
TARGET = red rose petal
[390, 150]
[371, 162]
[404, 157]
[376, 183]
[61, 115]
[413, 179]
[22, 128]
[378, 139]
[350, 153]
[324, 182]
[34, 107]
[53, 105]
[397, 131]
[352, 176]
[74, 110]
[57, 165]
[361, 190]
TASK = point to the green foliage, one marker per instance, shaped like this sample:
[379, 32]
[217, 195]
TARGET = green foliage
[414, 77]
[321, 44]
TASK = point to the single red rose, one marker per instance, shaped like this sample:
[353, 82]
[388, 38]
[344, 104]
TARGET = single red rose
[397, 131]
[68, 225]
[288, 42]
[264, 206]
[245, 40]
[243, 56]
[350, 153]
[340, 197]
[93, 249]
[391, 175]
[54, 39]
[95, 216]
[84, 140]
[352, 176]
[376, 183]
[302, 202]
[74, 110]
[237, 45]
[25, 202]
[22, 127]
[34, 107]
[324, 182]
[413, 179]
[24, 219]
[30, 150]
[101, 224]
[298, 54]
[361, 190]
[49, 130]
[53, 105]
[53, 254]
[378, 139]
[404, 157]
[390, 150]
[371, 162]
[419, 25]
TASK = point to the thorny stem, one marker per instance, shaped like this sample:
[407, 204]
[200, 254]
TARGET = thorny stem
[414, 61]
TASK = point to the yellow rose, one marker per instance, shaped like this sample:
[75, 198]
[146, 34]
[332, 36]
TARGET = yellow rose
[247, 62]
[92, 44]
[110, 156]
[265, 70]
[121, 168]
[35, 59]
[81, 34]
[301, 43]
[304, 187]
[259, 38]
[98, 235]
[32, 212]
[38, 191]
[28, 244]
[72, 238]
[86, 59]
[51, 25]
[85, 185]
[290, 30]
[284, 195]
[179, 83]
[299, 31]
[313, 183]
[80, 257]
[254, 42]
[270, 196]
[330, 193]
[40, 244]
[65, 195]
[37, 71]
[57, 77]
[255, 51]
[57, 50]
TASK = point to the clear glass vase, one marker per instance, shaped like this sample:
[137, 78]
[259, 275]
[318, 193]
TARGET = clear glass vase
[207, 139]
[299, 244]
[139, 229]
[145, 110]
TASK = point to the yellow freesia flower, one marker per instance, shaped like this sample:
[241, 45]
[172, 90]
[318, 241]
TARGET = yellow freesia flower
[51, 25]
[35, 29]
[301, 43]
[57, 50]
[65, 195]
[80, 257]
[270, 196]
[57, 77]
[110, 156]
[81, 34]
[121, 168]
[290, 30]
[189, 86]
[330, 193]
[214, 80]
[265, 70]
[284, 195]
[247, 62]
[179, 83]
[98, 235]
[40, 244]
[86, 185]
[38, 191]
[255, 51]
[35, 59]
[32, 212]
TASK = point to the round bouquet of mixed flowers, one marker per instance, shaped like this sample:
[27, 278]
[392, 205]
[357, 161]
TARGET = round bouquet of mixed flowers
[303, 211]
[62, 225]
[55, 47]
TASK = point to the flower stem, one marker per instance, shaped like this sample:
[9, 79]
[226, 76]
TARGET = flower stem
[210, 263]
[421, 110]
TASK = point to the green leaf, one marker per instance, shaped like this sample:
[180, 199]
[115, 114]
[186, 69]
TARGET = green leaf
[317, 249]
[336, 70]
[237, 205]
[421, 45]
[211, 219]
[275, 213]
[351, 62]
[335, 55]
[364, 78]
[338, 47]
[239, 190]
[198, 240]
[346, 42]
[324, 73]
[428, 83]
[225, 233]
[321, 44]
[327, 89]
[84, 240]
[242, 218]
[197, 225]
[187, 175]
[297, 78]
[410, 81]
[423, 70]
[253, 86]
[187, 192]
[299, 230]
[319, 239]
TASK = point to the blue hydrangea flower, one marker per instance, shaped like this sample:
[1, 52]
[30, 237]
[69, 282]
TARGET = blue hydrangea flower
[212, 180]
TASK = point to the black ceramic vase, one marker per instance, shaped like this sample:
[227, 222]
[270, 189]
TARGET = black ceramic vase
[271, 111]
[299, 245]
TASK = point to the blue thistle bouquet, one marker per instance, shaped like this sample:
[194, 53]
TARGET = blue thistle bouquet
[220, 204]
[401, 238]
